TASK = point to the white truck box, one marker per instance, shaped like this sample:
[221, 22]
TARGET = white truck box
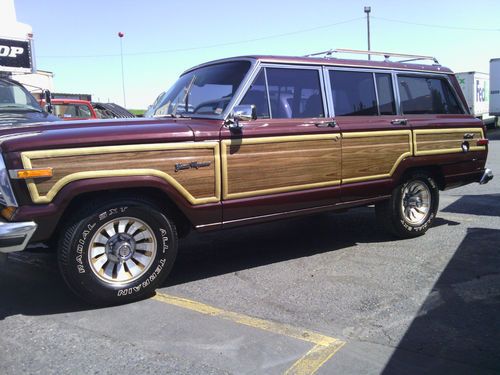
[475, 86]
[495, 87]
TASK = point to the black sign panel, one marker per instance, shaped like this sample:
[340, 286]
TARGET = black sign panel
[15, 55]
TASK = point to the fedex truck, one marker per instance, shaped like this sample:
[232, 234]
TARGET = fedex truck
[495, 88]
[476, 89]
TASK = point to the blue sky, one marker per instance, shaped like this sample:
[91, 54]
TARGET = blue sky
[78, 40]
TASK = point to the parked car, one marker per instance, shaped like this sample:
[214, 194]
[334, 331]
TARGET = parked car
[18, 106]
[234, 142]
[111, 110]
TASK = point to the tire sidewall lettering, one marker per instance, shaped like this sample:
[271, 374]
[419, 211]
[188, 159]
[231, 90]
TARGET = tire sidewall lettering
[81, 244]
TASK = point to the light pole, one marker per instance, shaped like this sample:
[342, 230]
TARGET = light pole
[121, 35]
[367, 11]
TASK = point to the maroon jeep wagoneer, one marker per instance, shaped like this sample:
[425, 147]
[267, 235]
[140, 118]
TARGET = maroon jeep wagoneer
[234, 142]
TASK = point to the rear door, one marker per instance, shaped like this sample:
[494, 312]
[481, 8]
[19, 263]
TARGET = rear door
[374, 138]
[288, 160]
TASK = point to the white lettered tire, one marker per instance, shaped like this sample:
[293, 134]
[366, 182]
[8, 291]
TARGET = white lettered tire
[412, 208]
[117, 252]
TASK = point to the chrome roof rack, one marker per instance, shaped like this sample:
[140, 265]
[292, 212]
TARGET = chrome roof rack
[387, 55]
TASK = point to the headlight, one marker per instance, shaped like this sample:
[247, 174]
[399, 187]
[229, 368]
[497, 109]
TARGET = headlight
[7, 197]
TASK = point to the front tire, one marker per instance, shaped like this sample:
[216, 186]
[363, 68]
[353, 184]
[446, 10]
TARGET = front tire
[412, 207]
[117, 252]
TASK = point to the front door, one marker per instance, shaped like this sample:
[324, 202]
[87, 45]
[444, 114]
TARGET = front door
[289, 159]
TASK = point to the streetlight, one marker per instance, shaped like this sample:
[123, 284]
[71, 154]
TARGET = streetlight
[121, 35]
[367, 11]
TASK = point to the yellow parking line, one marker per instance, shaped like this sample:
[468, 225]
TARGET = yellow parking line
[325, 346]
[314, 359]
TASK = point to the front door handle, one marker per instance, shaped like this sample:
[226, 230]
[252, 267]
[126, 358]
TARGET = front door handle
[326, 124]
[400, 121]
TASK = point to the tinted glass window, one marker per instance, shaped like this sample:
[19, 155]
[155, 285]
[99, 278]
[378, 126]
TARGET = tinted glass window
[295, 93]
[423, 95]
[387, 105]
[257, 95]
[204, 92]
[353, 93]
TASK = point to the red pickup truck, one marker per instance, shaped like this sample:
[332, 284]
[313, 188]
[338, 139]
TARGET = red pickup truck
[73, 109]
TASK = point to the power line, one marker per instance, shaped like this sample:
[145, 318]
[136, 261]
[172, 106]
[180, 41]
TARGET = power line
[208, 46]
[436, 26]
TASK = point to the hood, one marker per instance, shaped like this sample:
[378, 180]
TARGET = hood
[88, 133]
[9, 120]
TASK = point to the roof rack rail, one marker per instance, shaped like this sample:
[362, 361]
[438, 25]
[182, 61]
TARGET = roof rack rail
[387, 55]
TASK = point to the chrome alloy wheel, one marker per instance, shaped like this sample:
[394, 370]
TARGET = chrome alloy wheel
[416, 202]
[122, 250]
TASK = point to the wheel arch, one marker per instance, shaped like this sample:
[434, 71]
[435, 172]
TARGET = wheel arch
[51, 217]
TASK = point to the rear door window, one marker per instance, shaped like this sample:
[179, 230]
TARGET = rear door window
[353, 93]
[426, 95]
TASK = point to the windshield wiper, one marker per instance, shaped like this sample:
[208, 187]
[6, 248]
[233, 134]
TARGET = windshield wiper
[186, 93]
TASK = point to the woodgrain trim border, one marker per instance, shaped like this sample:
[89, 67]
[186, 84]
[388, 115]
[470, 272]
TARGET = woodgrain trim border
[263, 140]
[444, 131]
[27, 156]
[382, 133]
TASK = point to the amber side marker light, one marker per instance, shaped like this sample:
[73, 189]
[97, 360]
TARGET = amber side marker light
[8, 212]
[24, 174]
[482, 142]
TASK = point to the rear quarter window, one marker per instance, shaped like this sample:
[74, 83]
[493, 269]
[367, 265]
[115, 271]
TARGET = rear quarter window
[427, 95]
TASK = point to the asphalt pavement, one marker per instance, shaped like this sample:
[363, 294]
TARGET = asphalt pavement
[329, 294]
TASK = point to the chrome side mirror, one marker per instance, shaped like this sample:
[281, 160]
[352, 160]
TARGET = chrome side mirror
[244, 112]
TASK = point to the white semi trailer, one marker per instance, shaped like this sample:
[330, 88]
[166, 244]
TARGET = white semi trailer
[475, 86]
[495, 88]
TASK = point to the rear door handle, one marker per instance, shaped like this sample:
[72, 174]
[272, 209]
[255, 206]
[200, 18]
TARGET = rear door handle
[326, 124]
[399, 121]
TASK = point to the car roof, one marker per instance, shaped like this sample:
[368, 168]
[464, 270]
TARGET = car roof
[69, 101]
[322, 61]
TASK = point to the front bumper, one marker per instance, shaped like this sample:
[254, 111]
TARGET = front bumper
[487, 176]
[15, 236]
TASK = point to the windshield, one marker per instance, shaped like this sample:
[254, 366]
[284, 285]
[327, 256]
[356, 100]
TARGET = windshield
[14, 97]
[204, 92]
[71, 110]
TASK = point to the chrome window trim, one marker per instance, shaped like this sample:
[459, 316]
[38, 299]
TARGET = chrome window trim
[376, 93]
[329, 95]
[267, 94]
[7, 194]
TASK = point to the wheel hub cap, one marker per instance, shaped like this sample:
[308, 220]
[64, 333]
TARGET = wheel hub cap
[416, 202]
[122, 250]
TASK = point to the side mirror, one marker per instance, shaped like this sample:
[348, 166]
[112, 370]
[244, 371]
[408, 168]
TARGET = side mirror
[243, 112]
[48, 100]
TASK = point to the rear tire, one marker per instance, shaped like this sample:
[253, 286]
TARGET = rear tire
[117, 252]
[412, 207]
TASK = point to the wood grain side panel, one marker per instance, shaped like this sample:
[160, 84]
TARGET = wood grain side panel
[199, 182]
[197, 185]
[264, 168]
[436, 141]
[370, 156]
